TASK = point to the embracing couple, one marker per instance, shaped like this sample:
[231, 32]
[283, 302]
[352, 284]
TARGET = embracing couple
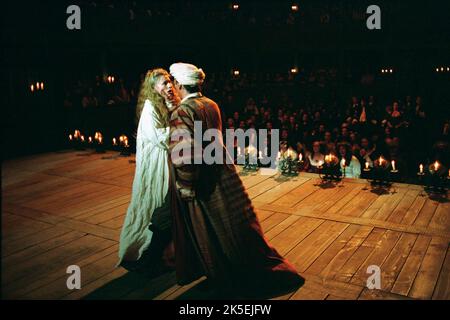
[194, 218]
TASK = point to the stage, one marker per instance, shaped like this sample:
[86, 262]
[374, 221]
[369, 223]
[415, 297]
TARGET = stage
[66, 208]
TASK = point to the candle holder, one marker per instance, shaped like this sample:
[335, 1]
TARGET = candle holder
[288, 163]
[77, 140]
[99, 145]
[124, 146]
[382, 173]
[249, 160]
[434, 178]
[330, 170]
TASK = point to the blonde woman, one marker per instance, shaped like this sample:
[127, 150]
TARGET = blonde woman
[151, 179]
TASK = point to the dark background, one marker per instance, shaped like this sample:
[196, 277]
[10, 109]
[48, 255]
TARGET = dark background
[37, 46]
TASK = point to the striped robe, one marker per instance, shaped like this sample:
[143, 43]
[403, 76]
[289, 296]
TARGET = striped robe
[217, 233]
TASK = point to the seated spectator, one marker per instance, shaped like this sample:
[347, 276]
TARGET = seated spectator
[350, 165]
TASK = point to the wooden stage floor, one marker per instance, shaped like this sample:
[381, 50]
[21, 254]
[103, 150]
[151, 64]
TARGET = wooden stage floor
[67, 208]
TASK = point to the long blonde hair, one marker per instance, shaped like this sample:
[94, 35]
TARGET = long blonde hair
[148, 91]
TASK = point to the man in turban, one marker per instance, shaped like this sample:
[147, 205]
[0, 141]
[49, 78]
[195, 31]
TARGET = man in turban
[216, 230]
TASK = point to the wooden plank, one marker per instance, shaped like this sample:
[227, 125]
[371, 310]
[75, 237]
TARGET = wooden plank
[12, 260]
[393, 264]
[298, 194]
[330, 253]
[362, 221]
[344, 254]
[107, 214]
[32, 213]
[352, 265]
[284, 187]
[332, 201]
[95, 285]
[360, 205]
[428, 274]
[34, 273]
[22, 243]
[294, 234]
[368, 294]
[263, 214]
[307, 251]
[96, 230]
[406, 277]
[332, 287]
[86, 212]
[283, 225]
[262, 187]
[404, 206]
[16, 227]
[441, 218]
[273, 220]
[100, 265]
[115, 223]
[442, 290]
[376, 257]
[427, 212]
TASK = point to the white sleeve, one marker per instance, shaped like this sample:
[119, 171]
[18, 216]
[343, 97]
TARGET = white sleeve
[148, 131]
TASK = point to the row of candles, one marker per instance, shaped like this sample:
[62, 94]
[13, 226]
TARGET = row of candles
[98, 137]
[37, 86]
[330, 158]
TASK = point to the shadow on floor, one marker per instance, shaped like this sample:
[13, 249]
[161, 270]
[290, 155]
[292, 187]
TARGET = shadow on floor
[135, 286]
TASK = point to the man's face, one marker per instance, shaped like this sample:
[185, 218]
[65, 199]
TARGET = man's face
[177, 88]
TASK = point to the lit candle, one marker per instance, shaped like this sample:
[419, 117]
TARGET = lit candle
[393, 165]
[82, 138]
[38, 85]
[70, 137]
[300, 157]
[90, 139]
[42, 86]
[100, 139]
[112, 79]
[367, 165]
[343, 163]
[436, 166]
[380, 161]
[421, 168]
[114, 142]
[32, 88]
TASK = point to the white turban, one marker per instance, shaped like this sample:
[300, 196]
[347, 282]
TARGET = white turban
[187, 74]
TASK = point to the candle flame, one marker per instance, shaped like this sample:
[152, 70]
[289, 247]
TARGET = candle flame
[32, 88]
[436, 166]
[42, 86]
[70, 137]
[114, 141]
[393, 164]
[90, 139]
[421, 168]
[367, 164]
[82, 138]
[38, 85]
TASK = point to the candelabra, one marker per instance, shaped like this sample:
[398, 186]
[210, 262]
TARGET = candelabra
[288, 163]
[382, 173]
[329, 170]
[435, 179]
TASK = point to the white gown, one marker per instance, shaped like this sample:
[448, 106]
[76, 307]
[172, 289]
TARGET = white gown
[150, 185]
